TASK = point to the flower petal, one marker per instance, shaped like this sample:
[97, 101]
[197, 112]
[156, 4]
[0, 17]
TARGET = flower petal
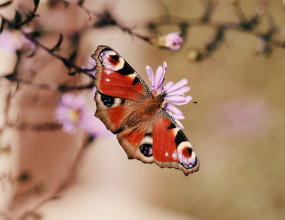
[93, 125]
[164, 67]
[150, 75]
[178, 100]
[159, 78]
[173, 109]
[168, 85]
[173, 41]
[69, 128]
[179, 117]
[179, 124]
[177, 85]
[179, 91]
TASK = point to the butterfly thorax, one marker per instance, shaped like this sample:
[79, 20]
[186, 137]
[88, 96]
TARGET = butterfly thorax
[147, 109]
[152, 104]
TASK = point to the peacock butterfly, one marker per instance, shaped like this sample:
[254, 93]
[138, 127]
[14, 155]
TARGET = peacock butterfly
[129, 109]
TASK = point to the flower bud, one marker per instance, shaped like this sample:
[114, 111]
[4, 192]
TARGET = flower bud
[172, 41]
[193, 55]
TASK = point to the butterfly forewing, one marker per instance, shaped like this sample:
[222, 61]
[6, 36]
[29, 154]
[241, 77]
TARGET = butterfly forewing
[119, 88]
[115, 77]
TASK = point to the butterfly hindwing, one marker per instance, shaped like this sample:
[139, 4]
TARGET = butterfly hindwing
[137, 142]
[161, 141]
[171, 148]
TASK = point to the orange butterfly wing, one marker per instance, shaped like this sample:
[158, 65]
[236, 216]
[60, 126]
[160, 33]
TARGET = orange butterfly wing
[118, 86]
[115, 77]
[120, 95]
[171, 148]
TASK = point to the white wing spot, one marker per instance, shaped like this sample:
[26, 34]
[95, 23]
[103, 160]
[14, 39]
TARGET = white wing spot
[107, 71]
[174, 155]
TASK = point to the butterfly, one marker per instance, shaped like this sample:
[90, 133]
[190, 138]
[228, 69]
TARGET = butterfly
[129, 109]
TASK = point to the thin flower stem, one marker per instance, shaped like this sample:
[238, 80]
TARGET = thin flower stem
[132, 33]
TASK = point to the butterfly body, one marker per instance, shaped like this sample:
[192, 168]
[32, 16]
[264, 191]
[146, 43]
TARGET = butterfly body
[147, 109]
[129, 109]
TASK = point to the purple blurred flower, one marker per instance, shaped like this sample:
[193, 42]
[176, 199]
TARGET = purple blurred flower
[27, 44]
[14, 41]
[91, 64]
[10, 41]
[175, 92]
[93, 125]
[245, 115]
[172, 41]
[72, 112]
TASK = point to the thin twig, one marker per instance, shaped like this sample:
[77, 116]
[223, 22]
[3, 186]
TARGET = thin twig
[35, 127]
[61, 88]
[64, 60]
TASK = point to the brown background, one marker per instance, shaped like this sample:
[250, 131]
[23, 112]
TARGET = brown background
[237, 129]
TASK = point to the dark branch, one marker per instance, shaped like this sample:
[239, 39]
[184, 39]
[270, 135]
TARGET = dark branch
[61, 88]
[68, 62]
[35, 127]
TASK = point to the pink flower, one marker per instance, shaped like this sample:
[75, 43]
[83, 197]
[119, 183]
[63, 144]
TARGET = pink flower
[10, 41]
[13, 41]
[72, 111]
[245, 115]
[172, 41]
[175, 92]
[94, 126]
[91, 64]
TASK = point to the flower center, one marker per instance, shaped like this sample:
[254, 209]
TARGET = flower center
[74, 115]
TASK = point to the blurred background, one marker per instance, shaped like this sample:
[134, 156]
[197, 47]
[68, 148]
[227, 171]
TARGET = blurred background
[234, 62]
